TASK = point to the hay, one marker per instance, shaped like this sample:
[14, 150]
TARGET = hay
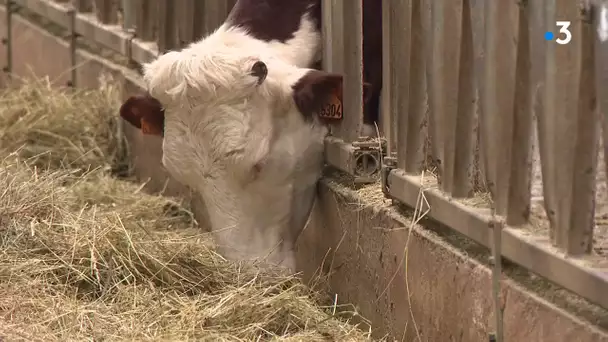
[86, 256]
[54, 129]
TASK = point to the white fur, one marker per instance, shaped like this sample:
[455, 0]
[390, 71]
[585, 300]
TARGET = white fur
[602, 26]
[220, 127]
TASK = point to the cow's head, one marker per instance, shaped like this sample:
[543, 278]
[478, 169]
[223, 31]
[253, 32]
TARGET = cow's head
[242, 129]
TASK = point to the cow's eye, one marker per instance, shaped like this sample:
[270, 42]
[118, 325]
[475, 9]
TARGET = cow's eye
[260, 71]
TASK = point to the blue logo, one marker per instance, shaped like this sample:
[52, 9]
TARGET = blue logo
[549, 35]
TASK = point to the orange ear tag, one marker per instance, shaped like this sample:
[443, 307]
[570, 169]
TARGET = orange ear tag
[332, 110]
[148, 129]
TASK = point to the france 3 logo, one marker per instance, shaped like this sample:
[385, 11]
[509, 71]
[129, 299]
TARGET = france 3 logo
[564, 35]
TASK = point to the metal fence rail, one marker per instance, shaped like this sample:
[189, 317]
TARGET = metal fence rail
[505, 125]
[493, 86]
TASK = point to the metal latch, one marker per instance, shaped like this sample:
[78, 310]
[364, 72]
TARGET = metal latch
[368, 155]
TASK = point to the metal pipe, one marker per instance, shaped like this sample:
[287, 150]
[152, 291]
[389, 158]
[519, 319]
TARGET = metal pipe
[73, 36]
[8, 40]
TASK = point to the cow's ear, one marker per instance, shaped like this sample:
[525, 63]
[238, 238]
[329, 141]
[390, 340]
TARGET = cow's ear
[144, 112]
[320, 92]
[316, 91]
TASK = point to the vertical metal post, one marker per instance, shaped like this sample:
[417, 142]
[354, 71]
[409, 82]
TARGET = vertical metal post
[499, 305]
[128, 16]
[123, 147]
[73, 36]
[132, 35]
[386, 114]
[7, 41]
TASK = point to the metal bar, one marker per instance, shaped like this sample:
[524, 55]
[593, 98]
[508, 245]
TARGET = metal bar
[416, 137]
[83, 5]
[113, 37]
[488, 99]
[480, 174]
[143, 52]
[145, 19]
[106, 11]
[545, 122]
[8, 40]
[327, 34]
[434, 28]
[537, 255]
[582, 220]
[55, 12]
[359, 159]
[167, 32]
[502, 23]
[73, 39]
[133, 34]
[86, 26]
[128, 15]
[518, 207]
[563, 115]
[215, 12]
[349, 128]
[386, 116]
[186, 17]
[497, 226]
[339, 154]
[465, 118]
[333, 45]
[400, 52]
[601, 71]
[446, 67]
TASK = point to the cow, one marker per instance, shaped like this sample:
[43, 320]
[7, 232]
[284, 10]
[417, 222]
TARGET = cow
[237, 111]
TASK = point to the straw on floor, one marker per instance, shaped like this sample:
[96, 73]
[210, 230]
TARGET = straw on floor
[85, 256]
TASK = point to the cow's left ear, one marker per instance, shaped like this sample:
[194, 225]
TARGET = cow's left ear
[144, 112]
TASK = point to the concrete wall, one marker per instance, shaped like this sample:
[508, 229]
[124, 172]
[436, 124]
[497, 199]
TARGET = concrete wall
[360, 241]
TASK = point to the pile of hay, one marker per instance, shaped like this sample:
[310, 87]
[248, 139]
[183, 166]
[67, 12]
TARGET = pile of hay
[86, 256]
[76, 130]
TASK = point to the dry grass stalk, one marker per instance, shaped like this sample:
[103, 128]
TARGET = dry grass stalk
[86, 256]
[55, 129]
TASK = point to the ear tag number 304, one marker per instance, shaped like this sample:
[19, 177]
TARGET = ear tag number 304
[332, 110]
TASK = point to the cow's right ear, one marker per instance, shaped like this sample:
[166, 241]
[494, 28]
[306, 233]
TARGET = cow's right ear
[144, 112]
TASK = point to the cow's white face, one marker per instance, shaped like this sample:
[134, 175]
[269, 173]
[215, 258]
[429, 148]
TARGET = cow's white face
[240, 128]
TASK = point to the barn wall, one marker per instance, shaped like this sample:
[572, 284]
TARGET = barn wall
[360, 242]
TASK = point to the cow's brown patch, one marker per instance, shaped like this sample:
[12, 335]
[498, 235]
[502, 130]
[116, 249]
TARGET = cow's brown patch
[269, 20]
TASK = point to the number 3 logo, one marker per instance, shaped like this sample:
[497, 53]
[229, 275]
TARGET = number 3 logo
[563, 28]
